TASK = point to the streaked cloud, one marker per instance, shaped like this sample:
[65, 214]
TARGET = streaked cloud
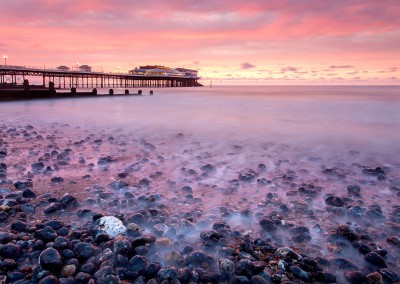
[341, 66]
[289, 69]
[247, 65]
[275, 35]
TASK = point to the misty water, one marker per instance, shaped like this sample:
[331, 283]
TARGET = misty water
[246, 152]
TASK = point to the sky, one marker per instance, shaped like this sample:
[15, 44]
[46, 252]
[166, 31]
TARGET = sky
[228, 41]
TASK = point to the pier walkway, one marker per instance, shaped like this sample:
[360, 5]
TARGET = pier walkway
[14, 76]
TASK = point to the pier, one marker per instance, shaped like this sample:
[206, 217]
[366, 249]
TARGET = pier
[15, 76]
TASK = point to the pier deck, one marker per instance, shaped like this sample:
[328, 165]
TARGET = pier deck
[11, 76]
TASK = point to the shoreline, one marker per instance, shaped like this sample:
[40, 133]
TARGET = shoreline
[190, 212]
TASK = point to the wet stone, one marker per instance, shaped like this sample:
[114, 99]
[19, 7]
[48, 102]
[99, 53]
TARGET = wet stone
[14, 277]
[52, 208]
[123, 246]
[50, 260]
[28, 193]
[12, 251]
[37, 166]
[57, 179]
[374, 278]
[82, 278]
[268, 225]
[55, 224]
[118, 184]
[299, 273]
[334, 201]
[347, 232]
[353, 189]
[389, 275]
[226, 266]
[245, 267]
[168, 274]
[355, 211]
[18, 226]
[47, 234]
[354, 276]
[83, 251]
[28, 208]
[3, 216]
[69, 202]
[23, 184]
[138, 263]
[376, 260]
[344, 264]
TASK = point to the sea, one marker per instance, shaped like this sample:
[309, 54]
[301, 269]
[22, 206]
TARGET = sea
[330, 118]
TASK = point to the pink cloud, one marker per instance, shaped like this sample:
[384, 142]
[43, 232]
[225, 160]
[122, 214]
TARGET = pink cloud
[219, 34]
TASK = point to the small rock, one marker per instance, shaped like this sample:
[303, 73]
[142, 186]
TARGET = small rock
[268, 225]
[68, 270]
[374, 278]
[354, 276]
[334, 201]
[28, 193]
[12, 251]
[52, 208]
[50, 260]
[83, 251]
[226, 266]
[23, 184]
[353, 189]
[68, 201]
[375, 259]
[111, 225]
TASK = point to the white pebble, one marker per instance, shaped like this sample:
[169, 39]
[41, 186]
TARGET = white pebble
[112, 226]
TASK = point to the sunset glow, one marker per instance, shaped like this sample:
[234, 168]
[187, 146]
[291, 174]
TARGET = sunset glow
[252, 42]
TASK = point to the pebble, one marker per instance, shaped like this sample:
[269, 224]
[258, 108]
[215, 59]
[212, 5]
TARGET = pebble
[334, 201]
[111, 225]
[83, 251]
[50, 259]
[354, 276]
[68, 270]
[268, 225]
[12, 251]
[226, 266]
[68, 201]
[374, 278]
[375, 259]
[353, 189]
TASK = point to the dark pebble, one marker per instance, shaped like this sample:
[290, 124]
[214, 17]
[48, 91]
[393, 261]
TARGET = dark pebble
[347, 232]
[299, 273]
[50, 279]
[354, 276]
[14, 277]
[12, 251]
[268, 225]
[47, 234]
[69, 202]
[167, 274]
[389, 275]
[375, 259]
[52, 208]
[82, 278]
[57, 179]
[334, 201]
[28, 193]
[50, 260]
[353, 189]
[83, 251]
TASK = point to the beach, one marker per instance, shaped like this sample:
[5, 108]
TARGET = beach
[208, 185]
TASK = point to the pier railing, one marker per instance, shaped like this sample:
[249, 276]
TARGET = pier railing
[11, 76]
